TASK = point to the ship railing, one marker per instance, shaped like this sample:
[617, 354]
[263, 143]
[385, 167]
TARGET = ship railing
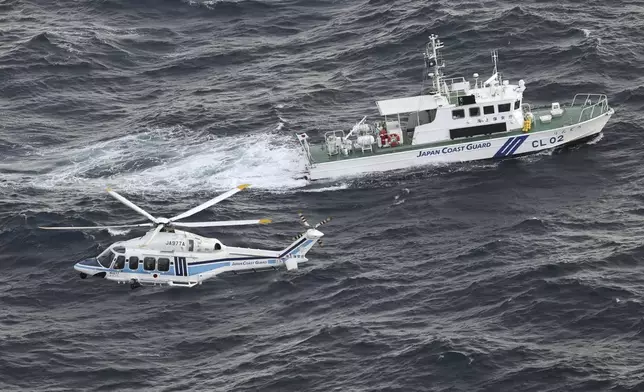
[451, 92]
[526, 109]
[591, 103]
[304, 142]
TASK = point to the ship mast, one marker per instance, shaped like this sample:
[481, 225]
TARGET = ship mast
[434, 59]
[495, 59]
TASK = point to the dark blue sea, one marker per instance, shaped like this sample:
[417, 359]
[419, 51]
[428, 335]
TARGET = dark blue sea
[520, 275]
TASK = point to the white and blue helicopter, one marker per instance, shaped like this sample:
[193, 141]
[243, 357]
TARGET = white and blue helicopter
[167, 256]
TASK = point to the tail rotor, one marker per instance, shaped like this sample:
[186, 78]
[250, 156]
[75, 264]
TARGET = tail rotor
[306, 224]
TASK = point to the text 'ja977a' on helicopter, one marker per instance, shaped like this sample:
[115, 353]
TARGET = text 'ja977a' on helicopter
[172, 257]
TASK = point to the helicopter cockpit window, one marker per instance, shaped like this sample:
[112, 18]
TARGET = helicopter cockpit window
[119, 249]
[120, 262]
[217, 246]
[105, 258]
[164, 264]
[148, 263]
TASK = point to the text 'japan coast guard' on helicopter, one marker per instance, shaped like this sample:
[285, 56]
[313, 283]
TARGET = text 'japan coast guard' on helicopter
[167, 256]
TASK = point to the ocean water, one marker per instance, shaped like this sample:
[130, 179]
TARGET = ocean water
[521, 275]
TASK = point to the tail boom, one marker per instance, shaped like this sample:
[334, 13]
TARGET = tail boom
[296, 252]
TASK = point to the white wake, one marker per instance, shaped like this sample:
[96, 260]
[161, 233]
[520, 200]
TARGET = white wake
[175, 159]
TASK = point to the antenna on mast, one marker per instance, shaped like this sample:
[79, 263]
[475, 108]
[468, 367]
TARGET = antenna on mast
[495, 59]
[434, 59]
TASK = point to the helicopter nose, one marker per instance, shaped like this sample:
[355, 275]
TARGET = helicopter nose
[87, 268]
[91, 262]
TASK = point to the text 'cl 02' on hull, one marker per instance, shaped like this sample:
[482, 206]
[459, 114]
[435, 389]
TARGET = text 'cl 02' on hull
[454, 122]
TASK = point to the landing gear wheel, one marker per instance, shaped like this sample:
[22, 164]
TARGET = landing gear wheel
[134, 284]
[83, 275]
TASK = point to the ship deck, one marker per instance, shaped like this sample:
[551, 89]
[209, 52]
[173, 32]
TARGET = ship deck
[570, 116]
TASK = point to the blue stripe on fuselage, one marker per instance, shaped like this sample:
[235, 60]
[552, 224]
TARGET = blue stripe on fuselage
[230, 259]
[183, 268]
[293, 247]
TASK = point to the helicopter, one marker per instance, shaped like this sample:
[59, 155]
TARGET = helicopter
[168, 256]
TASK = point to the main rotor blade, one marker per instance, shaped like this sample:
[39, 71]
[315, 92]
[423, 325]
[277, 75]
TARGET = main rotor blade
[222, 223]
[94, 227]
[303, 219]
[154, 233]
[324, 222]
[209, 203]
[131, 205]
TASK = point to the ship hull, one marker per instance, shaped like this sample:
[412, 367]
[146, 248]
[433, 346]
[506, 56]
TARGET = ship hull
[500, 147]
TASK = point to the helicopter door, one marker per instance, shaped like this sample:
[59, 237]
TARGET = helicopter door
[191, 245]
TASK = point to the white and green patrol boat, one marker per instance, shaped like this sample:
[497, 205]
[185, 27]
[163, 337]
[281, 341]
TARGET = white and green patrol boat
[454, 122]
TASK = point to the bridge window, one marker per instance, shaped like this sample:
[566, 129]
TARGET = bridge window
[120, 262]
[504, 107]
[488, 109]
[459, 113]
[431, 115]
[148, 263]
[164, 264]
[134, 263]
[517, 105]
[475, 111]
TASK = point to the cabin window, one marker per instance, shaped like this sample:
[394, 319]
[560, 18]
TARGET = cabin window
[422, 117]
[218, 246]
[134, 263]
[504, 107]
[466, 100]
[164, 264]
[191, 246]
[432, 115]
[120, 262]
[148, 263]
[459, 113]
[517, 105]
[105, 258]
[488, 109]
[475, 111]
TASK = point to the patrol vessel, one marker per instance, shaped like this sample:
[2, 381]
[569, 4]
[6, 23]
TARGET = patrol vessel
[454, 121]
